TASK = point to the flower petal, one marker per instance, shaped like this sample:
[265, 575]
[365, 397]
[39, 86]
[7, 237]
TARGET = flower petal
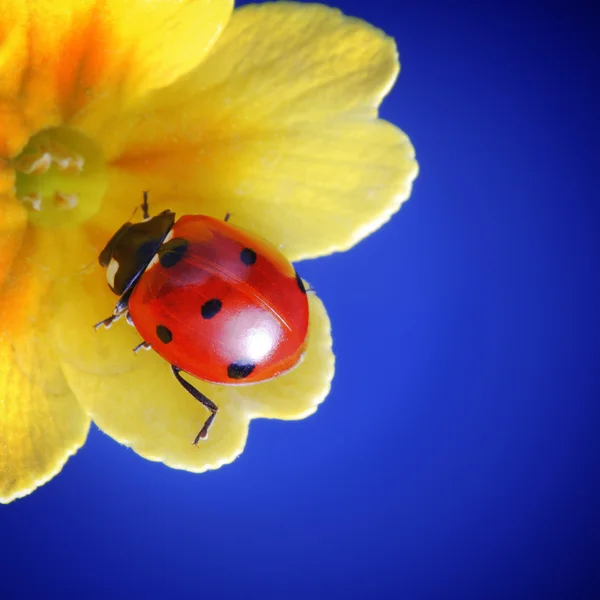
[39, 429]
[13, 224]
[136, 400]
[41, 422]
[278, 127]
[309, 61]
[79, 61]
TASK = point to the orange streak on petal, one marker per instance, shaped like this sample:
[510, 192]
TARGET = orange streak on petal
[13, 132]
[7, 179]
[41, 422]
[84, 57]
[22, 289]
[13, 224]
[13, 55]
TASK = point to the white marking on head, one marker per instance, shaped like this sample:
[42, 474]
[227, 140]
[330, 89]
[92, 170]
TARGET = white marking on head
[111, 271]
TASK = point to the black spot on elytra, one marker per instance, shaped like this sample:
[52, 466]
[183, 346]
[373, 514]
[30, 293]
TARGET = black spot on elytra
[164, 334]
[248, 256]
[210, 308]
[171, 252]
[300, 283]
[239, 370]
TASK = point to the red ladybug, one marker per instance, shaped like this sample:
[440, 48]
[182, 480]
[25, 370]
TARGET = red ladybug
[211, 299]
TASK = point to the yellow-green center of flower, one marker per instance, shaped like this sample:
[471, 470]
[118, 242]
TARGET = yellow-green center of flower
[60, 177]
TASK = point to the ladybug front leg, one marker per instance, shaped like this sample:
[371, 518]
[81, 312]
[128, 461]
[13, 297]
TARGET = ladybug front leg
[202, 399]
[121, 309]
[114, 317]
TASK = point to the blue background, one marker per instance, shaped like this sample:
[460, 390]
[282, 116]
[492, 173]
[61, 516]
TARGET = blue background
[457, 456]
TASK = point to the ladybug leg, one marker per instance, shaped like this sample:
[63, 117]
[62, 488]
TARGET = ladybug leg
[227, 217]
[121, 309]
[145, 211]
[202, 399]
[108, 322]
[142, 346]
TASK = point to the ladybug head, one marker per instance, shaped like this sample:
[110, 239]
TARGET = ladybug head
[131, 249]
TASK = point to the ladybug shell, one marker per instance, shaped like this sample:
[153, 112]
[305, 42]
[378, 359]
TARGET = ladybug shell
[221, 304]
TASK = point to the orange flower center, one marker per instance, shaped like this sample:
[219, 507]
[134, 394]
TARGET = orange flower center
[60, 177]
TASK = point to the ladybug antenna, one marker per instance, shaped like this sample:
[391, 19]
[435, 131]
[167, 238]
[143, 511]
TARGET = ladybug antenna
[144, 208]
[133, 213]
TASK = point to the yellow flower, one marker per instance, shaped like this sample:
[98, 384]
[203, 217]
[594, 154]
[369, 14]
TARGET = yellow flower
[269, 113]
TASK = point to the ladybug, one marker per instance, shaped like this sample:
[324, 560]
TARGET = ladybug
[213, 300]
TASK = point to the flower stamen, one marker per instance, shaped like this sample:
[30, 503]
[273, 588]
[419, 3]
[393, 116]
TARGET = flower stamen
[65, 159]
[65, 201]
[60, 177]
[33, 201]
[33, 164]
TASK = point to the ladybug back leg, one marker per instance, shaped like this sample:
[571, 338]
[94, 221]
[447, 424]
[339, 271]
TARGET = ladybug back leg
[209, 404]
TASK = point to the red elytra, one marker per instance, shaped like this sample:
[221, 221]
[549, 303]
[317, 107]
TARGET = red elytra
[221, 304]
[213, 300]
